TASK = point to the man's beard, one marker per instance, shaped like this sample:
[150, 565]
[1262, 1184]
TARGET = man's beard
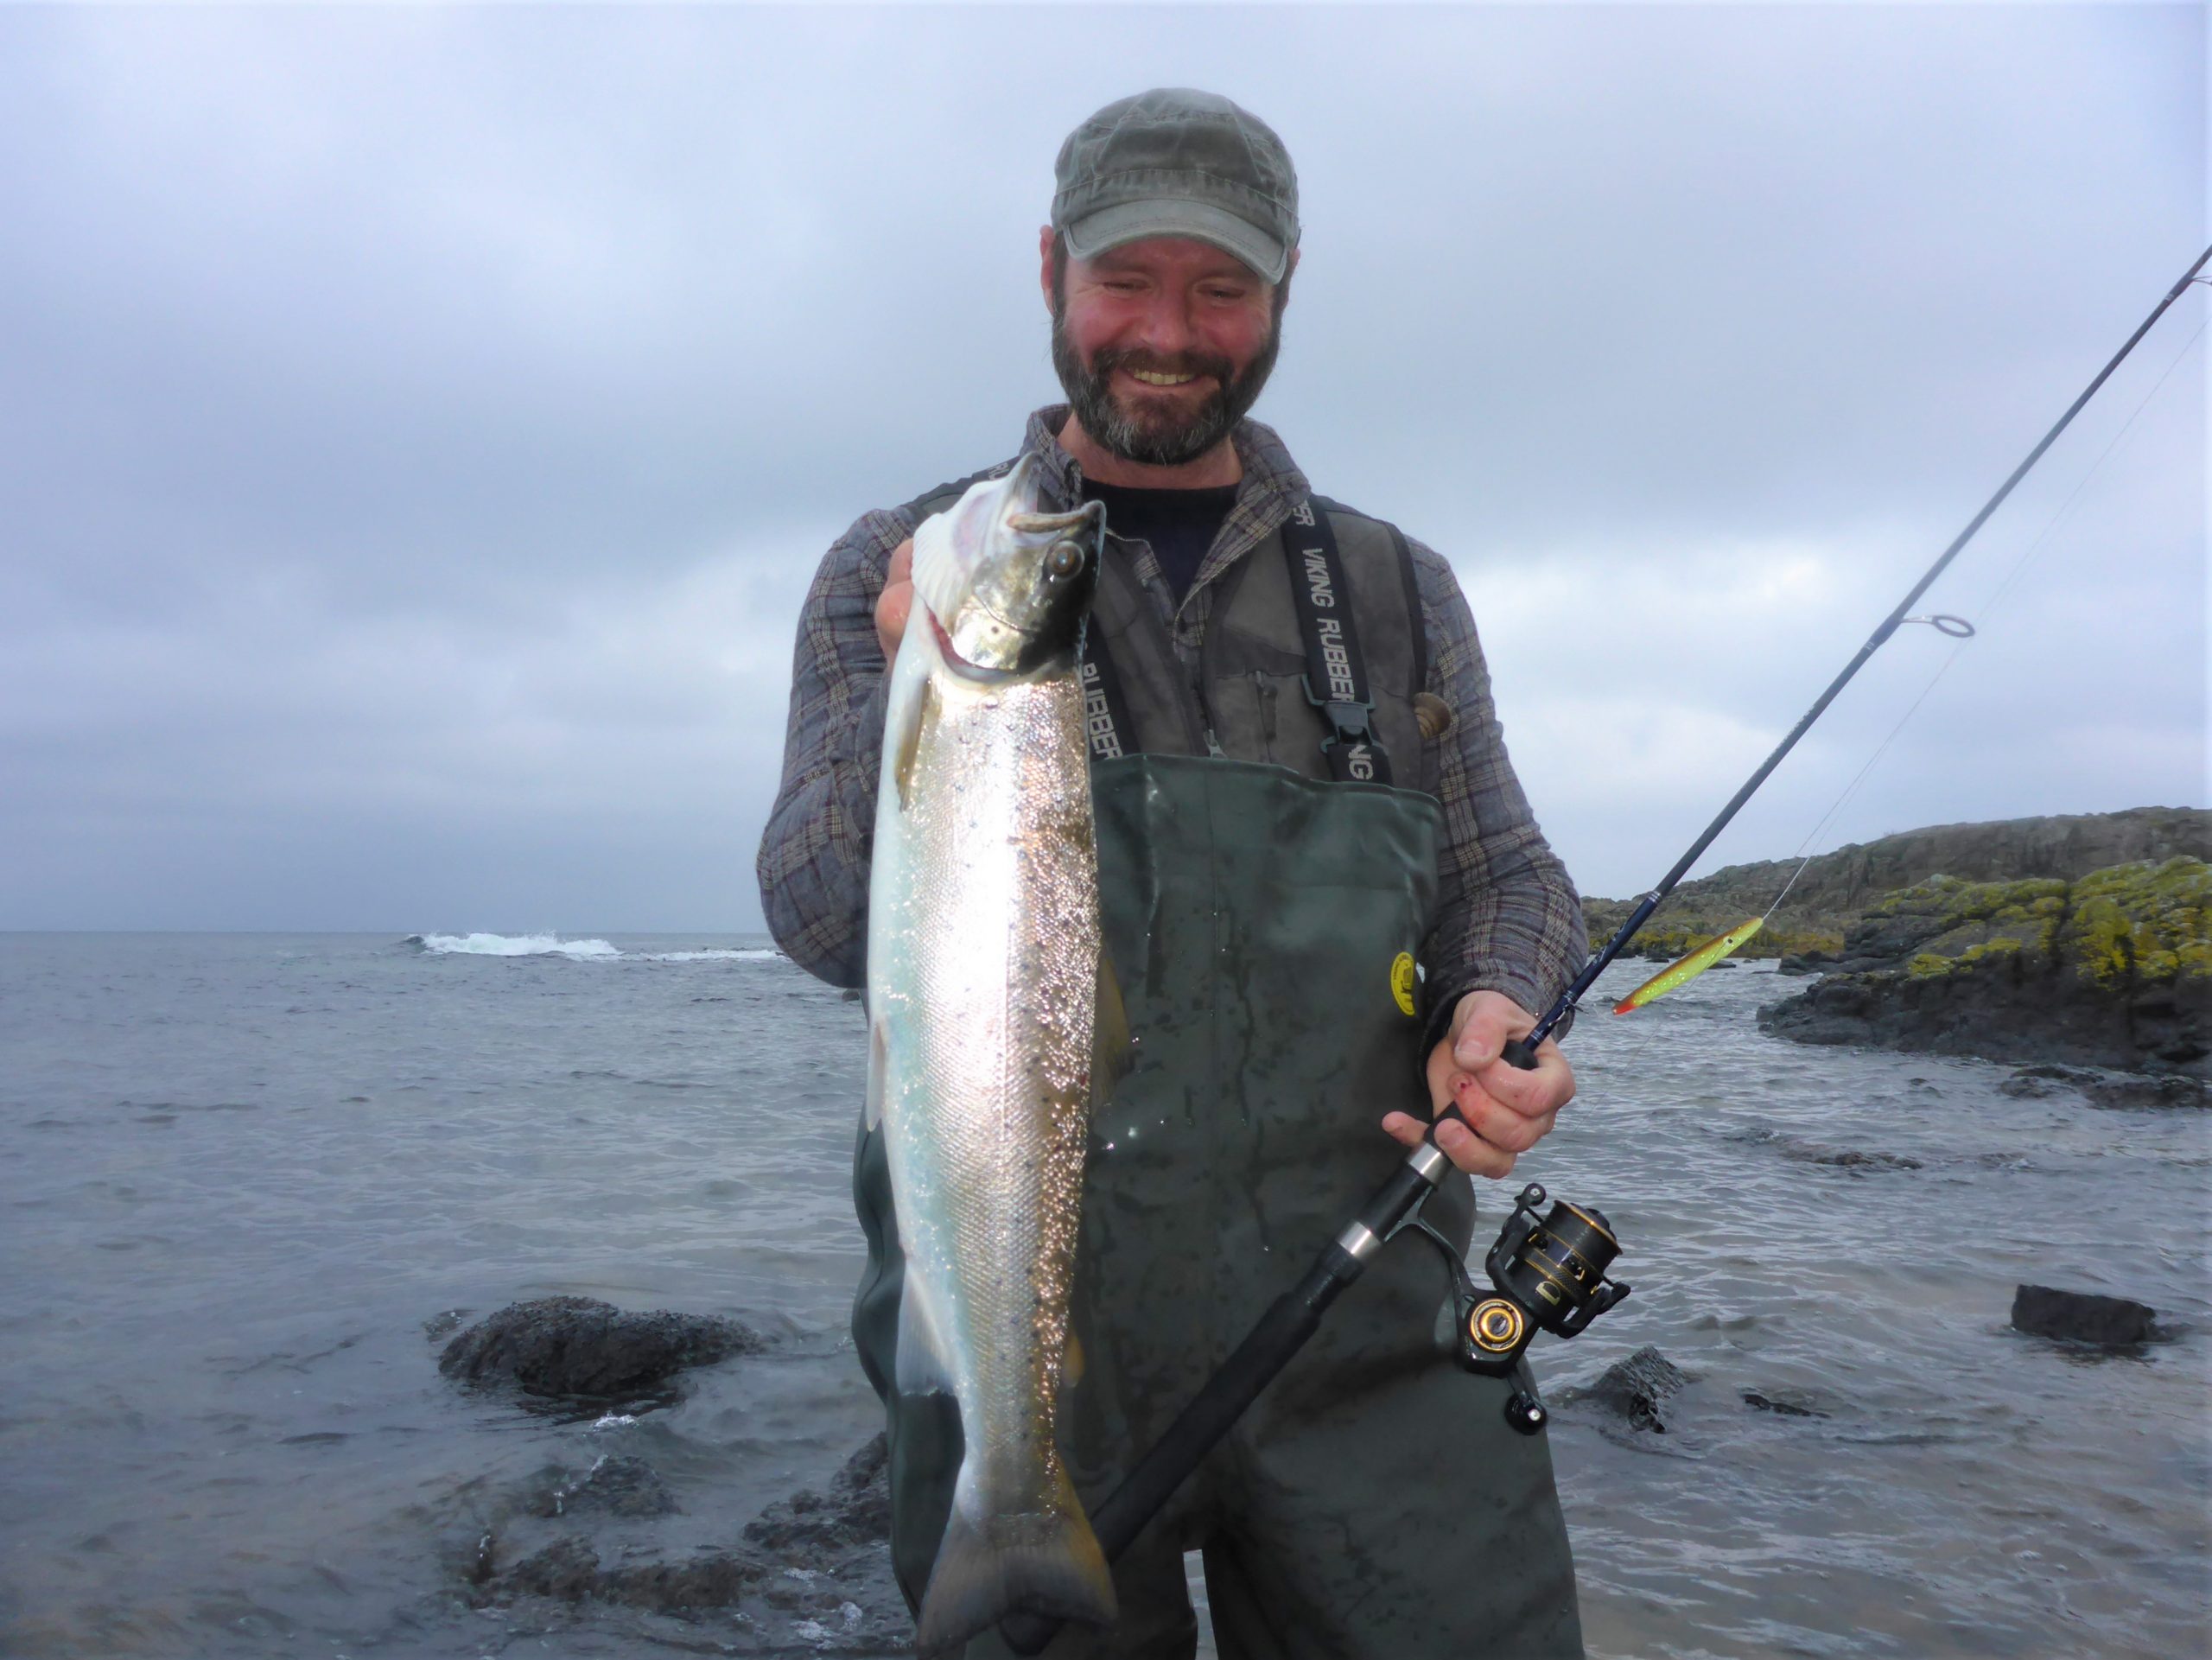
[1159, 436]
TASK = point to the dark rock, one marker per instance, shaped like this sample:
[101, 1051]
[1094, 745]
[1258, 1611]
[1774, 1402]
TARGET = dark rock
[1768, 1404]
[567, 1569]
[856, 1511]
[2109, 969]
[468, 1553]
[2114, 1090]
[2082, 1317]
[1637, 1387]
[2165, 1090]
[1853, 1159]
[579, 1347]
[2035, 1082]
[613, 1486]
[1798, 963]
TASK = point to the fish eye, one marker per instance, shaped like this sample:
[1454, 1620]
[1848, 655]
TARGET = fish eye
[1062, 559]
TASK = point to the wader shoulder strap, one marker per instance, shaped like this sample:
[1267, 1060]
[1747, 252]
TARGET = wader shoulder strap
[1336, 673]
[1105, 710]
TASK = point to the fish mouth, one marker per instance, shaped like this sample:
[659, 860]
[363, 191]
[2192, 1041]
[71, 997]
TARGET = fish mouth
[980, 673]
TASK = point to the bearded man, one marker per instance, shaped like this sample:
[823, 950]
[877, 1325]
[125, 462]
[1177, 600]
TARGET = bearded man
[1325, 892]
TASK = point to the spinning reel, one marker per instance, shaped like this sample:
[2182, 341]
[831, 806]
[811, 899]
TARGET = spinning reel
[1549, 1276]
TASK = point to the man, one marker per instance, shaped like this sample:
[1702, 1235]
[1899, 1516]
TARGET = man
[1261, 662]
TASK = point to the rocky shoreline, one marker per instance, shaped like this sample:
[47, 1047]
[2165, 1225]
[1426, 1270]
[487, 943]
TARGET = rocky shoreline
[587, 1540]
[2082, 942]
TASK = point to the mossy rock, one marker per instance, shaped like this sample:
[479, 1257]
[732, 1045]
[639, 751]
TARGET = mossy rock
[2144, 923]
[2113, 969]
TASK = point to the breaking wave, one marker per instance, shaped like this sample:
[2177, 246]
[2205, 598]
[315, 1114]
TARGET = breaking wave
[582, 950]
[511, 946]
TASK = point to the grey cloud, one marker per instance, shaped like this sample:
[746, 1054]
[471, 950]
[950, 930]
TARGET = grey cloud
[419, 425]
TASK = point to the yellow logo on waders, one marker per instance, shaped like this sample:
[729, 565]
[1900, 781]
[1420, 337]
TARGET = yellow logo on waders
[1401, 982]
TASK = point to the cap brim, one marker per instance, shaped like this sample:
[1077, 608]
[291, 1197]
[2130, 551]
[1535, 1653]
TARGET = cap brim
[1134, 221]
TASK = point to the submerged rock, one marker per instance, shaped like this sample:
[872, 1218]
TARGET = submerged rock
[612, 1487]
[568, 1348]
[2108, 1089]
[1800, 963]
[856, 1511]
[2082, 1317]
[1787, 1409]
[812, 1572]
[1636, 1388]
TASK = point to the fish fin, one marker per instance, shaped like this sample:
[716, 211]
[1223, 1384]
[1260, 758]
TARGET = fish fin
[1046, 1562]
[878, 1058]
[921, 1366]
[1072, 1361]
[940, 574]
[906, 747]
[1113, 1052]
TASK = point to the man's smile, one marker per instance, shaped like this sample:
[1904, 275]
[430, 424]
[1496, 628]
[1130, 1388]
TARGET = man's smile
[1153, 378]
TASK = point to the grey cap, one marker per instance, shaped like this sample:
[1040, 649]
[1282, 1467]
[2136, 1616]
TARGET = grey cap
[1176, 163]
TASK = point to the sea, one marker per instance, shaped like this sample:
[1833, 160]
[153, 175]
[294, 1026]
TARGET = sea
[249, 1182]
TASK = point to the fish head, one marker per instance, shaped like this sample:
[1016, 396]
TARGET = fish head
[1008, 586]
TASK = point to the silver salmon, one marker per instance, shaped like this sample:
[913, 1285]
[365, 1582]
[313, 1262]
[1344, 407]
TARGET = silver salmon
[983, 975]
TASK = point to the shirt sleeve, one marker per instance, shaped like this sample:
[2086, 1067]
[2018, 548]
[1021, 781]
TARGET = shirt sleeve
[1508, 918]
[813, 865]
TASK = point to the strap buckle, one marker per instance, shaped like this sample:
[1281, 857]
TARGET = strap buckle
[1350, 732]
[1348, 720]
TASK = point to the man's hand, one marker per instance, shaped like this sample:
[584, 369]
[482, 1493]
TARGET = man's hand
[896, 599]
[1511, 1110]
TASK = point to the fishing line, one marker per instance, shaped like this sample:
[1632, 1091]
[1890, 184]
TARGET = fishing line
[1989, 607]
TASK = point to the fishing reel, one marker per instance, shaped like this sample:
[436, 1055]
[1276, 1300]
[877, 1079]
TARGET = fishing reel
[1549, 1276]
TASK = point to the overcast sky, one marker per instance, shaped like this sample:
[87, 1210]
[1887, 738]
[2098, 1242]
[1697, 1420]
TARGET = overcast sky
[417, 427]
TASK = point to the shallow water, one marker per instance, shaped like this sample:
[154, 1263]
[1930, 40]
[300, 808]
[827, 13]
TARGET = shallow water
[241, 1171]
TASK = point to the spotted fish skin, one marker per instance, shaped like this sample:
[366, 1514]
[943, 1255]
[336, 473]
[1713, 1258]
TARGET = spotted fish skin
[983, 970]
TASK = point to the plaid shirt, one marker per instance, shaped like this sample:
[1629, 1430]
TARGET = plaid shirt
[1507, 918]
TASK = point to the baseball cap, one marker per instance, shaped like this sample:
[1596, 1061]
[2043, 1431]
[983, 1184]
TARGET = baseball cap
[1174, 161]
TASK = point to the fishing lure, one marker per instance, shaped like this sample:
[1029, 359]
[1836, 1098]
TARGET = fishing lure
[1702, 957]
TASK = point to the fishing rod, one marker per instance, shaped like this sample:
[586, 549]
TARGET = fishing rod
[1548, 1273]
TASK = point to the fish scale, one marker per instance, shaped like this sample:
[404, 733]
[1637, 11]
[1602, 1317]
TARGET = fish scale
[984, 954]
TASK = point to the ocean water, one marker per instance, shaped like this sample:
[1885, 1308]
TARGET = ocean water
[239, 1174]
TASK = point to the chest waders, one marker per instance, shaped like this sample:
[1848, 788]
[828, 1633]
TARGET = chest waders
[1372, 1504]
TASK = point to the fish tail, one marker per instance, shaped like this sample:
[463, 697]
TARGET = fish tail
[1044, 1562]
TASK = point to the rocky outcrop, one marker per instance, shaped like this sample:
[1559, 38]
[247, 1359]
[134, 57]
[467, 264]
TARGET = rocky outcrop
[1836, 889]
[857, 1510]
[1634, 1389]
[581, 1349]
[2113, 968]
[811, 1574]
[2117, 1089]
[2082, 1317]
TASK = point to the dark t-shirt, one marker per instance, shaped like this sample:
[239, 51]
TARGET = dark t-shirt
[1181, 524]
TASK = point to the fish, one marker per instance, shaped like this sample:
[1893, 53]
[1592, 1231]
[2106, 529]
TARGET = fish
[992, 1023]
[1702, 957]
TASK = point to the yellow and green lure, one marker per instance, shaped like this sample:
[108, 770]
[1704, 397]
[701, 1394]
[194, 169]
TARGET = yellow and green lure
[1681, 973]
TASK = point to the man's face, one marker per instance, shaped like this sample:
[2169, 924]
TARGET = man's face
[1162, 345]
